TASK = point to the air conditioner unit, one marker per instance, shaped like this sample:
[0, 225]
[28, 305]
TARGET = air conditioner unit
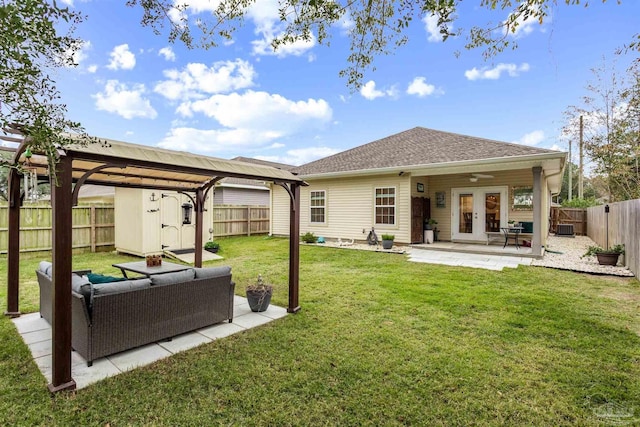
[565, 230]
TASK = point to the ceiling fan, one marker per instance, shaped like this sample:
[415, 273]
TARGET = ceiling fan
[476, 176]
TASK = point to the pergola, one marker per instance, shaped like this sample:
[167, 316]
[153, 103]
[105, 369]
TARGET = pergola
[121, 164]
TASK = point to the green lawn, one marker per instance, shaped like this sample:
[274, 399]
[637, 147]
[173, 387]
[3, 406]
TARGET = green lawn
[379, 341]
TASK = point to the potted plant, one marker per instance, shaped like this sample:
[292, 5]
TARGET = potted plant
[606, 256]
[259, 295]
[429, 223]
[387, 241]
[211, 246]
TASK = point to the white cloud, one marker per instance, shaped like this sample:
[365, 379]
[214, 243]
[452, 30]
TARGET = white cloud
[168, 53]
[127, 102]
[68, 2]
[369, 91]
[92, 68]
[531, 138]
[122, 58]
[524, 27]
[197, 80]
[81, 54]
[301, 156]
[495, 73]
[261, 110]
[431, 26]
[296, 48]
[421, 88]
[248, 120]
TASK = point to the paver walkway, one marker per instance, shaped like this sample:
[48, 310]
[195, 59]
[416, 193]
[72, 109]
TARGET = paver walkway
[36, 333]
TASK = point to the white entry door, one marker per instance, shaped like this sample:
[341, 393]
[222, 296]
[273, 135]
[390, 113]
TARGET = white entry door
[477, 210]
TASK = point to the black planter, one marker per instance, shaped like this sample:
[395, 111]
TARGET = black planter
[387, 244]
[259, 300]
[212, 250]
[607, 258]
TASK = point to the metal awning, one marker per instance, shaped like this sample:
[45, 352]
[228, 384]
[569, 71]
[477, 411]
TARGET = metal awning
[121, 164]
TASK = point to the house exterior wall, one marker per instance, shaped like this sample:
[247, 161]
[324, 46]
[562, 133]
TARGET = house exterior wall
[349, 208]
[240, 196]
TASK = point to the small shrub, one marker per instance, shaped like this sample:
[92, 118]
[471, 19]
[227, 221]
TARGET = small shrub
[211, 245]
[616, 249]
[308, 237]
[580, 203]
[388, 237]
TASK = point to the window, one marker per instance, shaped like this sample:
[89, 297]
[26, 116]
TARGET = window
[318, 205]
[385, 205]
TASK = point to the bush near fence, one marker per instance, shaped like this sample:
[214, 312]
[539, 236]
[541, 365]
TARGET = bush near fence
[94, 228]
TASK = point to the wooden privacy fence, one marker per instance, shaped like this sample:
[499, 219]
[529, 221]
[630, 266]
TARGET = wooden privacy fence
[575, 216]
[93, 228]
[623, 226]
[233, 220]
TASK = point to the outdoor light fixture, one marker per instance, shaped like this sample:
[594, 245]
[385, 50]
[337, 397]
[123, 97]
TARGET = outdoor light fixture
[186, 213]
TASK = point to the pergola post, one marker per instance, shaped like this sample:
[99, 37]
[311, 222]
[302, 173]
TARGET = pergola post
[199, 208]
[61, 199]
[294, 248]
[536, 241]
[13, 248]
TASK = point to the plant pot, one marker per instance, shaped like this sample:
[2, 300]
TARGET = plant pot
[607, 258]
[212, 250]
[387, 244]
[259, 300]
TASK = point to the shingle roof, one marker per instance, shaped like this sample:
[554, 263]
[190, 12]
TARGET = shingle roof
[417, 146]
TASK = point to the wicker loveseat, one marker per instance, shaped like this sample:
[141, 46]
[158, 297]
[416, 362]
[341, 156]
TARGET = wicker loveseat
[109, 318]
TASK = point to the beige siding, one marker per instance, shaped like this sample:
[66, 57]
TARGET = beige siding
[349, 208]
[350, 203]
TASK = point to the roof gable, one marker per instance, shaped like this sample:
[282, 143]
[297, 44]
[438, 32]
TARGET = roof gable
[417, 146]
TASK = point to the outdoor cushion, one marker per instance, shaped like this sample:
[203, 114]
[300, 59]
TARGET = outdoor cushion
[171, 278]
[209, 272]
[101, 278]
[46, 267]
[120, 286]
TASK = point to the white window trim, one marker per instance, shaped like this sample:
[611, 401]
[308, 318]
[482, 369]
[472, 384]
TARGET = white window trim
[311, 221]
[395, 206]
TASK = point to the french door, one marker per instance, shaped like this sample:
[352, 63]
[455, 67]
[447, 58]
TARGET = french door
[476, 211]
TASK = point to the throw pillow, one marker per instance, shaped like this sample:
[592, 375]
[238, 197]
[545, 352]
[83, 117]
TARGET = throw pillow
[209, 272]
[101, 278]
[121, 286]
[46, 267]
[171, 278]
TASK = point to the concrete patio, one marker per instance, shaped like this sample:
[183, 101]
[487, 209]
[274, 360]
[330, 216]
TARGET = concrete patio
[36, 333]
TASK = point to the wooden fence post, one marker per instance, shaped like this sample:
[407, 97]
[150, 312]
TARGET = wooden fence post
[93, 228]
[248, 220]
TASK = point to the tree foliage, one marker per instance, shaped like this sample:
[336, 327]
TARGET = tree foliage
[37, 38]
[378, 26]
[611, 112]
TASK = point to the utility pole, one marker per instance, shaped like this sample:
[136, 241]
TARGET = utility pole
[580, 168]
[570, 194]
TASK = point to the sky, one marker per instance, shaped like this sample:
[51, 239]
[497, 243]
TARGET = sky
[291, 106]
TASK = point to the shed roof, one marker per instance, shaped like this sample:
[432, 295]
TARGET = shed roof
[418, 147]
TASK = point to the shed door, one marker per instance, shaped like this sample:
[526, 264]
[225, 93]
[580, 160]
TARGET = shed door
[171, 220]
